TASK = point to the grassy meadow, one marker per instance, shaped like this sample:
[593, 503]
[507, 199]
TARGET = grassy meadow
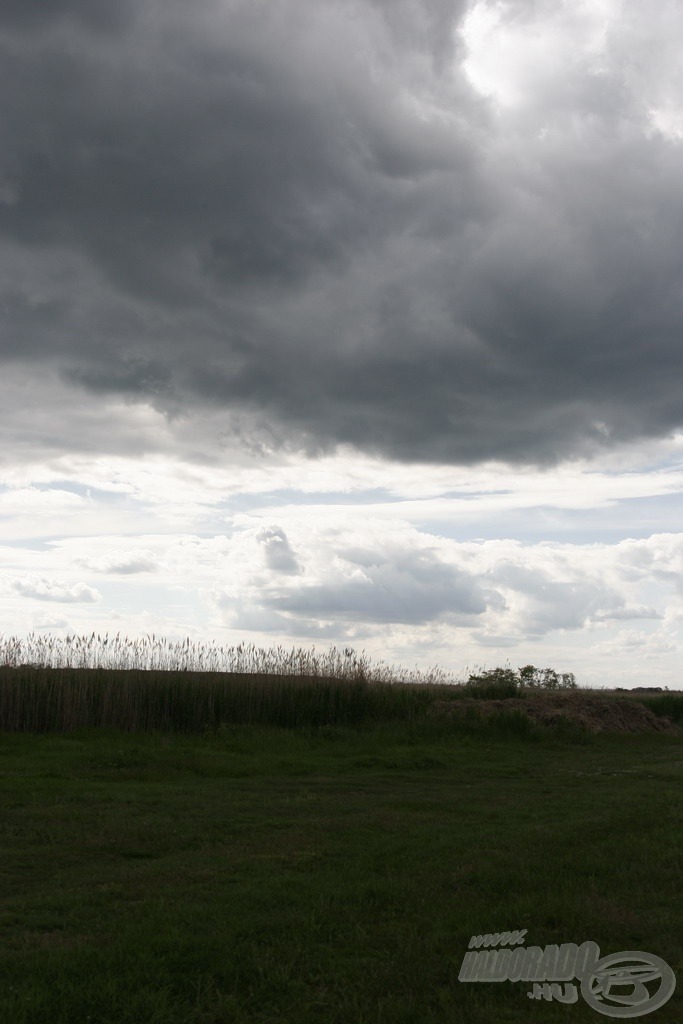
[289, 839]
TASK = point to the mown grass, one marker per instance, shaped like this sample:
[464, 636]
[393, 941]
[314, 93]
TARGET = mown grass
[326, 875]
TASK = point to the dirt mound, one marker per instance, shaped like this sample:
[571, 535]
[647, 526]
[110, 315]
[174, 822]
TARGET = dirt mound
[594, 713]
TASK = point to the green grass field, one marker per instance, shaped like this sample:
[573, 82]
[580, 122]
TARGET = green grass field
[325, 874]
[192, 836]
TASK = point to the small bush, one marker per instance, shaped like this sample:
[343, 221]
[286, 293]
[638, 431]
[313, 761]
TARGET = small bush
[496, 684]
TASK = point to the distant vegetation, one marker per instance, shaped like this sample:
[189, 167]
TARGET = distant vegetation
[505, 682]
[143, 685]
[52, 684]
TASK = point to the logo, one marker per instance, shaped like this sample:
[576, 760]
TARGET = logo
[622, 978]
[628, 984]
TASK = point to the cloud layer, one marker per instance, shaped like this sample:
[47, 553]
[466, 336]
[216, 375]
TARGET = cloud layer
[609, 612]
[342, 223]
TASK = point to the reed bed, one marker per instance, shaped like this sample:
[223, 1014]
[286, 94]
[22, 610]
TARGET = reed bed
[151, 653]
[45, 700]
[146, 685]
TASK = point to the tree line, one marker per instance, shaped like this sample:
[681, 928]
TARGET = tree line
[528, 675]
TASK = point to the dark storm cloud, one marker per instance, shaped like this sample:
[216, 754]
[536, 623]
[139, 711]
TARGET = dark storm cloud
[35, 14]
[302, 212]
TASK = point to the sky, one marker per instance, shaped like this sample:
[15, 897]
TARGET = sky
[351, 323]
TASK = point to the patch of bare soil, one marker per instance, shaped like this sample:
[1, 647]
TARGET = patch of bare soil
[594, 713]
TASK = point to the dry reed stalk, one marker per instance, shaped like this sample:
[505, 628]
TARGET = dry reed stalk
[159, 654]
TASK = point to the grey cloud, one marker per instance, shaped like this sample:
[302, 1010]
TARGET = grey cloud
[410, 587]
[305, 215]
[266, 620]
[549, 604]
[642, 612]
[255, 615]
[35, 14]
[278, 553]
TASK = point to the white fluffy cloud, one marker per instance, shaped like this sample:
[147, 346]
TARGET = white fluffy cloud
[40, 588]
